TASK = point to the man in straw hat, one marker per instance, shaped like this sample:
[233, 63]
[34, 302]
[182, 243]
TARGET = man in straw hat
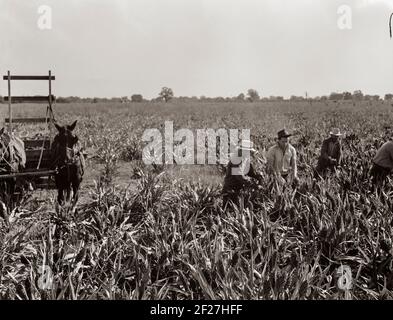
[331, 151]
[240, 173]
[382, 164]
[281, 159]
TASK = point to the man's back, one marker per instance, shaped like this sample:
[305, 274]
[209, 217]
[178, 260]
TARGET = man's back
[236, 177]
[331, 149]
[384, 156]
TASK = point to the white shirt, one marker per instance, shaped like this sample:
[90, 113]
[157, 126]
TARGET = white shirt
[282, 162]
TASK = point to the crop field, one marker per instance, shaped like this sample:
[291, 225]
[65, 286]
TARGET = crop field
[160, 232]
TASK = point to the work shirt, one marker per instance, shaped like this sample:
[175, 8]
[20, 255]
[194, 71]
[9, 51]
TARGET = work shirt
[384, 156]
[282, 162]
[330, 150]
[235, 180]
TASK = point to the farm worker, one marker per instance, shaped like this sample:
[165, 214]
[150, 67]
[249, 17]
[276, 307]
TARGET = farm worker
[331, 151]
[281, 159]
[240, 173]
[382, 164]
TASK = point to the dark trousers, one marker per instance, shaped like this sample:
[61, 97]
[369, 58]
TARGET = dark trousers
[230, 197]
[379, 175]
[287, 178]
[234, 196]
[321, 171]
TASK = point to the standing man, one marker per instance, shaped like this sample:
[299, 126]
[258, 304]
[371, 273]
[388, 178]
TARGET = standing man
[331, 152]
[281, 159]
[382, 164]
[240, 173]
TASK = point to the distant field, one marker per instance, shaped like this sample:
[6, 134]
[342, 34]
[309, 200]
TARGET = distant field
[161, 232]
[106, 129]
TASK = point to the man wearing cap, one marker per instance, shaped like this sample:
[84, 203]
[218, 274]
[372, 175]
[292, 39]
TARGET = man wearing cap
[240, 173]
[281, 159]
[331, 152]
[382, 164]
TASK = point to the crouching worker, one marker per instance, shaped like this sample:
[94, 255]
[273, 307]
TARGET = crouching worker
[281, 160]
[240, 173]
[330, 157]
[382, 164]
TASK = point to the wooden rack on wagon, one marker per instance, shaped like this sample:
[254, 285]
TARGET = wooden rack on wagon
[38, 151]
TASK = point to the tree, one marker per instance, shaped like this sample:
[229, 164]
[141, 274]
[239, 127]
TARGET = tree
[336, 96]
[166, 94]
[62, 100]
[296, 98]
[388, 96]
[358, 95]
[136, 98]
[124, 99]
[347, 96]
[240, 97]
[252, 95]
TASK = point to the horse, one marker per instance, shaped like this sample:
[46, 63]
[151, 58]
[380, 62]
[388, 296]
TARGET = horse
[68, 162]
[12, 160]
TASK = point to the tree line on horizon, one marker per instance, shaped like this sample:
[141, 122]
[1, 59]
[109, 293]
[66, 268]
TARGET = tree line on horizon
[166, 94]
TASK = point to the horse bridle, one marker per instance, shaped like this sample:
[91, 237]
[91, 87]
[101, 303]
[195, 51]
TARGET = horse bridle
[66, 163]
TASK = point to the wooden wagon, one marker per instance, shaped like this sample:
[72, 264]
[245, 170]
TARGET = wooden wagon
[37, 171]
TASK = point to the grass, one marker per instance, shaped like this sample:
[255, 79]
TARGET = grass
[161, 233]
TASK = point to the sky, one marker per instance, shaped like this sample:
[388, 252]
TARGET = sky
[109, 48]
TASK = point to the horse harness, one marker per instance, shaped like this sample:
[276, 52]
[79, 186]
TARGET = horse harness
[68, 161]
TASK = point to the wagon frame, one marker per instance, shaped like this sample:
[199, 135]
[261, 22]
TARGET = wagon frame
[38, 170]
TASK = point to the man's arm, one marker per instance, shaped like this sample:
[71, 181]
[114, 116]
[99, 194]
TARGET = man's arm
[339, 153]
[294, 162]
[390, 150]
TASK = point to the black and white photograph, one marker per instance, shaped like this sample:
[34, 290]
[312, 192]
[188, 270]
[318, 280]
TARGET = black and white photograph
[196, 150]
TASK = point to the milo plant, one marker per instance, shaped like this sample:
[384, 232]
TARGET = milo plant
[110, 148]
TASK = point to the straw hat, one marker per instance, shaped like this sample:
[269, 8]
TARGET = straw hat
[335, 132]
[246, 145]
